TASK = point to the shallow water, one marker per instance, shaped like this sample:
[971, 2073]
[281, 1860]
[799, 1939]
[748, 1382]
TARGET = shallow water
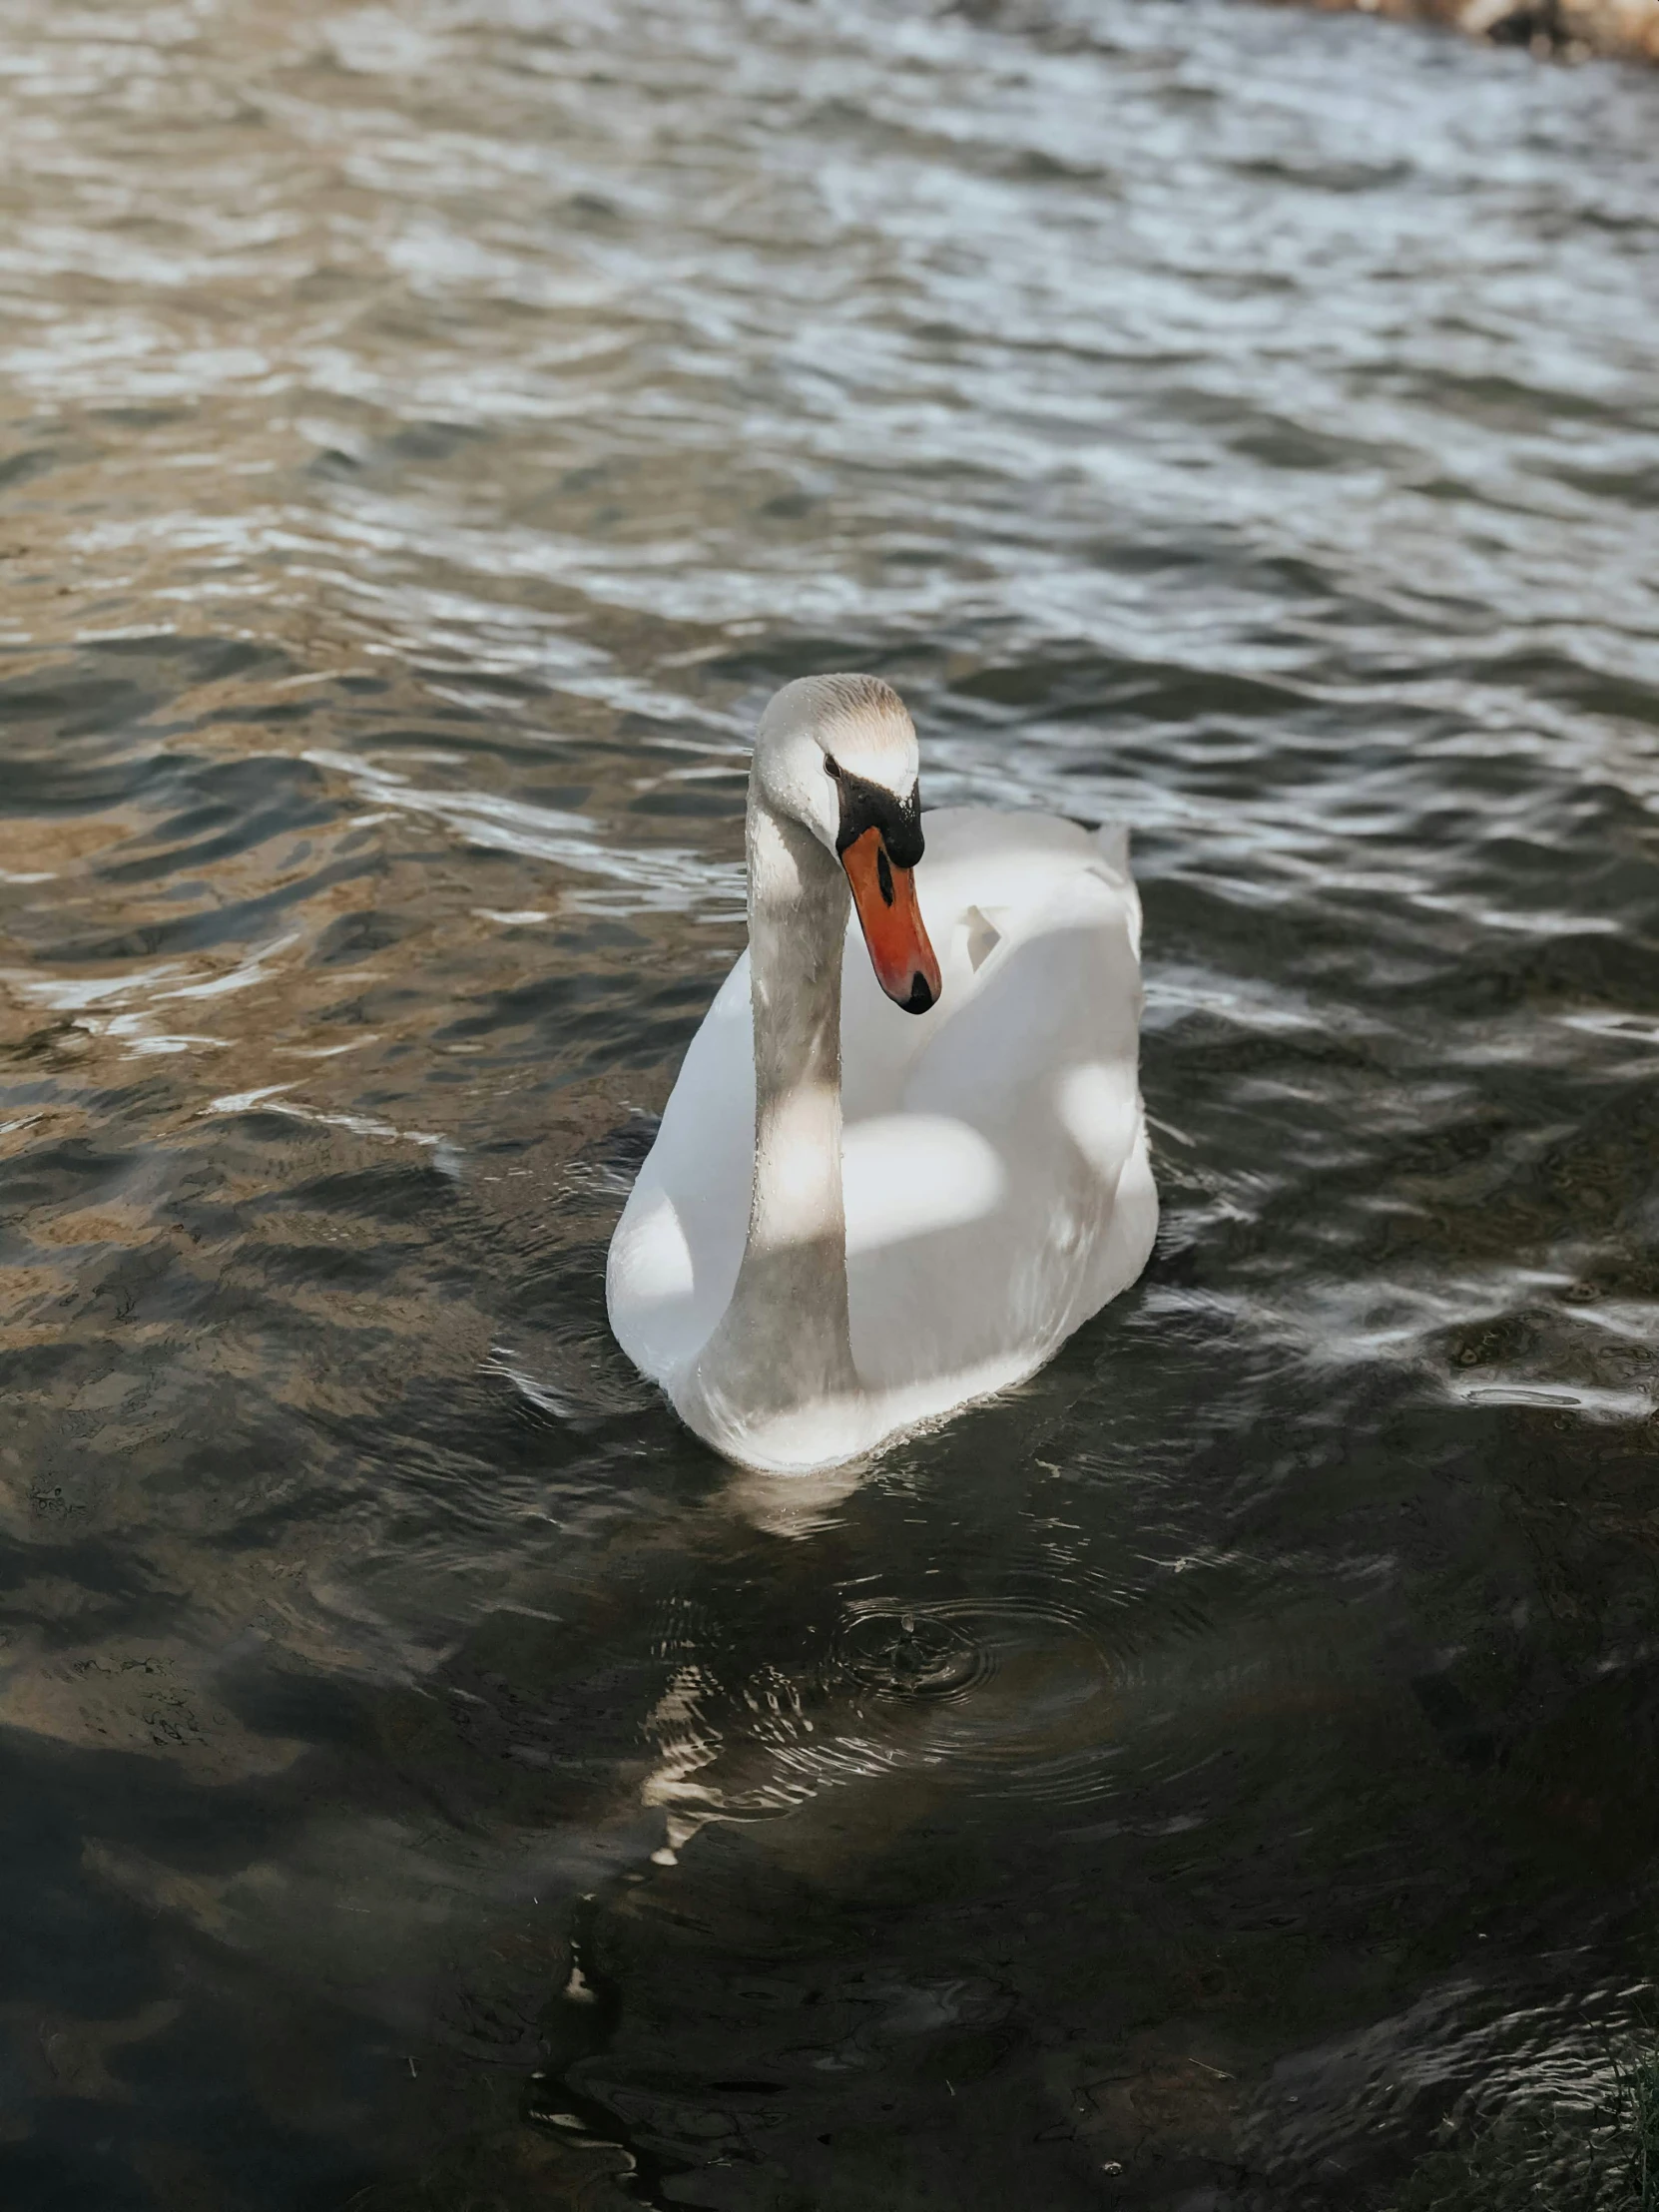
[426, 435]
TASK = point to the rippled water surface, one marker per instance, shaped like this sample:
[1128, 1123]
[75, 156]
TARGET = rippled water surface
[427, 433]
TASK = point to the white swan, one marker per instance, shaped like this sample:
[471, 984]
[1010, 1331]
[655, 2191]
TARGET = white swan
[933, 1193]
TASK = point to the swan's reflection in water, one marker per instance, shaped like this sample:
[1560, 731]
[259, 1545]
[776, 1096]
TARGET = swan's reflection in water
[1011, 1695]
[792, 1504]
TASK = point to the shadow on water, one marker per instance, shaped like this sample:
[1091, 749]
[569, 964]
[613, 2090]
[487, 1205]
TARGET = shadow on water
[426, 435]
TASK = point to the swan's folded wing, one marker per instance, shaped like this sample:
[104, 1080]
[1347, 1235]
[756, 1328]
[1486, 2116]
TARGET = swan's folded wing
[988, 878]
[675, 1256]
[1034, 1071]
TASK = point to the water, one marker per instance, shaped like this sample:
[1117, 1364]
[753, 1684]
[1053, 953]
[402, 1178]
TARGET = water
[427, 437]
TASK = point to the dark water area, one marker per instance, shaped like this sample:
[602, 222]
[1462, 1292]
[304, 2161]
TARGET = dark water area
[427, 433]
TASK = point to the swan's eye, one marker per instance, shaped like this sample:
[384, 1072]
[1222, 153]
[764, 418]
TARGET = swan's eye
[832, 767]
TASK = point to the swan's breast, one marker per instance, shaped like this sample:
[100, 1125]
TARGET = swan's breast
[906, 1176]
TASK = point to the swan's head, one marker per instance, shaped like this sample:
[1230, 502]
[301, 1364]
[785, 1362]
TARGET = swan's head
[839, 754]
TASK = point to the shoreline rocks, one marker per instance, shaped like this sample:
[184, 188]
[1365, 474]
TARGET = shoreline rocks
[1570, 30]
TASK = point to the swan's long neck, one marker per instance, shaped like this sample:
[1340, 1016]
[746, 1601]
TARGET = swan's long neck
[783, 1341]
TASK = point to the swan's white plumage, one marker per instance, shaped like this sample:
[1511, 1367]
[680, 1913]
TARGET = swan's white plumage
[996, 1180]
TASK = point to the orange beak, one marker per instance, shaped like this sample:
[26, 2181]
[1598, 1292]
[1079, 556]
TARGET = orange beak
[886, 897]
